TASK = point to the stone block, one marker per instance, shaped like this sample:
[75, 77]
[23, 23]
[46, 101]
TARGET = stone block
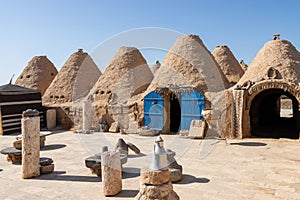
[157, 177]
[114, 128]
[152, 192]
[111, 173]
[175, 175]
[18, 144]
[197, 129]
[46, 169]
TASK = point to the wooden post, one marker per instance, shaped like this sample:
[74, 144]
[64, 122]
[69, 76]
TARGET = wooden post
[166, 125]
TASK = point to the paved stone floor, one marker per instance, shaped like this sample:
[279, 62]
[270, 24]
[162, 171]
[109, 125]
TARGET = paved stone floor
[240, 169]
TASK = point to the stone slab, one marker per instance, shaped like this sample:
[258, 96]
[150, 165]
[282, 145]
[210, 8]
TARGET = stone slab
[157, 177]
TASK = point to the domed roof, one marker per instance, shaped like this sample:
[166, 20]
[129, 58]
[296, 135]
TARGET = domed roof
[38, 74]
[189, 63]
[228, 63]
[279, 56]
[126, 75]
[66, 82]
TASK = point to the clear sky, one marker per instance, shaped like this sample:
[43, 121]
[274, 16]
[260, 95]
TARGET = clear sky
[58, 28]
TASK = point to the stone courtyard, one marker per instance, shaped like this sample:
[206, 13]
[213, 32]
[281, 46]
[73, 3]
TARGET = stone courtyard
[233, 169]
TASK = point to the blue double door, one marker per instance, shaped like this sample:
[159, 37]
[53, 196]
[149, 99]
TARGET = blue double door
[183, 109]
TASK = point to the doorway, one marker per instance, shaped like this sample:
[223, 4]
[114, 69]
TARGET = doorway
[175, 113]
[273, 117]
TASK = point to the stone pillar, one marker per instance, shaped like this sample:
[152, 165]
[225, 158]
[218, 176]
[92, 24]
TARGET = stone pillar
[237, 107]
[30, 147]
[111, 173]
[51, 118]
[87, 115]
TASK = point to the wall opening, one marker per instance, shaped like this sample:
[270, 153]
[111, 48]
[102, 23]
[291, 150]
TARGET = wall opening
[286, 107]
[269, 117]
[175, 113]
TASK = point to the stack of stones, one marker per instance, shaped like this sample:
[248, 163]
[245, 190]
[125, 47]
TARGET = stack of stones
[46, 165]
[156, 185]
[155, 181]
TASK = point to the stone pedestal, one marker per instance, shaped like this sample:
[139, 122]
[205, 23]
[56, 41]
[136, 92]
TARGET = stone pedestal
[51, 118]
[111, 173]
[156, 185]
[30, 147]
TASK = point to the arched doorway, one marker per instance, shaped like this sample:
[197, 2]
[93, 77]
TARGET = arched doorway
[175, 113]
[268, 118]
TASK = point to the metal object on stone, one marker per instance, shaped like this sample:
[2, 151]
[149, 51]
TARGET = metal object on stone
[159, 158]
[30, 113]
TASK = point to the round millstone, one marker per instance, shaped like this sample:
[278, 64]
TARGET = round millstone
[11, 150]
[45, 161]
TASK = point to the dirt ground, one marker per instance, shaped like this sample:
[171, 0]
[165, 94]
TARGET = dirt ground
[213, 169]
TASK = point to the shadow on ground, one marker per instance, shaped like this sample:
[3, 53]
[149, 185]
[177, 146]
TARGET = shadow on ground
[53, 147]
[188, 179]
[128, 193]
[62, 176]
[1, 170]
[249, 144]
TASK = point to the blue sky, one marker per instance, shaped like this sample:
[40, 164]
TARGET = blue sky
[58, 28]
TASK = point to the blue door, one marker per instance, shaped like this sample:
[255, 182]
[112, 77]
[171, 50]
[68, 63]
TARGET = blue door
[154, 111]
[192, 104]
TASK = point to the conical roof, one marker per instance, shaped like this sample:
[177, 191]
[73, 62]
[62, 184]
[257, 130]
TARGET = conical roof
[155, 67]
[126, 75]
[38, 74]
[279, 54]
[189, 63]
[228, 64]
[66, 83]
